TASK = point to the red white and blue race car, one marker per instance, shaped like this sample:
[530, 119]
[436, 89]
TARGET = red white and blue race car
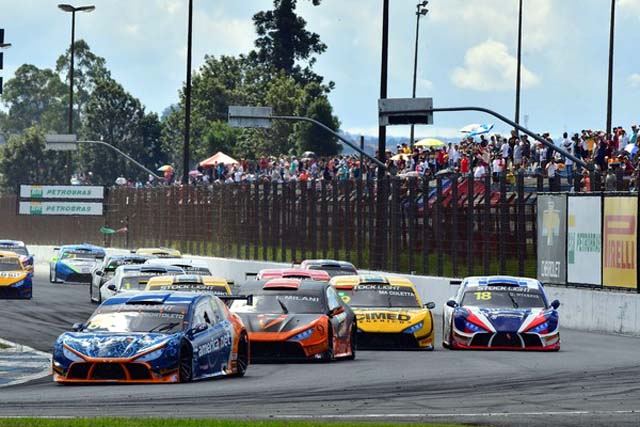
[501, 313]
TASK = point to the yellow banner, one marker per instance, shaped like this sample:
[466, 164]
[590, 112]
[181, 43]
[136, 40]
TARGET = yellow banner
[619, 255]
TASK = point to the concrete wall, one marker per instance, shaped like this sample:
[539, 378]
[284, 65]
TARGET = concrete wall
[582, 309]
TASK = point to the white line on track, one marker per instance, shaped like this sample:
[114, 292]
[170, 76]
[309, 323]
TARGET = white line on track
[27, 352]
[462, 415]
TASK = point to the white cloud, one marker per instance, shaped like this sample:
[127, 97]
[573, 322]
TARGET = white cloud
[631, 7]
[424, 84]
[172, 6]
[489, 67]
[634, 80]
[132, 29]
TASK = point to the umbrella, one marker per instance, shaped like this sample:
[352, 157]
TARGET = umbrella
[165, 168]
[218, 158]
[631, 149]
[400, 156]
[195, 173]
[309, 155]
[470, 128]
[121, 180]
[429, 142]
[481, 129]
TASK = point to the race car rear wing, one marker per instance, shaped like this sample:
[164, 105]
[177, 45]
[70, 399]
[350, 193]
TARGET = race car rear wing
[250, 275]
[248, 298]
[456, 282]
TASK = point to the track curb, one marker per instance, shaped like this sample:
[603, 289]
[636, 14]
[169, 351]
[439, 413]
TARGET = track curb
[11, 374]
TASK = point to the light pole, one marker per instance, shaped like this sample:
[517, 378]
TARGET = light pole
[71, 9]
[3, 45]
[187, 112]
[421, 10]
[610, 79]
[519, 66]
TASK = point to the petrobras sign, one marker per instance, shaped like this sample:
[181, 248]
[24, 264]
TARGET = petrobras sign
[74, 192]
[59, 208]
[584, 240]
[552, 236]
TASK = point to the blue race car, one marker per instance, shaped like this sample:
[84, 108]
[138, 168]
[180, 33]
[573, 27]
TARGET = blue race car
[154, 337]
[18, 247]
[501, 313]
[16, 280]
[75, 263]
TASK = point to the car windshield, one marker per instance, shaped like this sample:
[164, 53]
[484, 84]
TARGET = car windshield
[503, 297]
[189, 269]
[9, 264]
[163, 318]
[191, 287]
[282, 302]
[16, 250]
[136, 282]
[334, 271]
[379, 295]
[81, 255]
[115, 263]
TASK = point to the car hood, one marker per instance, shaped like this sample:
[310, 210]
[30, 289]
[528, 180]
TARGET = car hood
[113, 345]
[505, 319]
[277, 322]
[388, 319]
[77, 264]
[8, 278]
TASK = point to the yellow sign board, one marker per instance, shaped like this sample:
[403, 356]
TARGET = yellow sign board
[620, 230]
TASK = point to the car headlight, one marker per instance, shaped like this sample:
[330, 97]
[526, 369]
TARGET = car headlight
[541, 328]
[151, 356]
[414, 328]
[71, 355]
[471, 327]
[302, 335]
[17, 284]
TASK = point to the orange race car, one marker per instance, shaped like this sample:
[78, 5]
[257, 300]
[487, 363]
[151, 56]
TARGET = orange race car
[297, 319]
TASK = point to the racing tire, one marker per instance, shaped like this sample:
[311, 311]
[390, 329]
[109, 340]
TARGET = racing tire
[186, 363]
[353, 343]
[242, 362]
[52, 276]
[328, 355]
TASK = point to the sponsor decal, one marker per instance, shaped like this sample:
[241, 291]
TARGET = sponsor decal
[10, 275]
[552, 231]
[619, 255]
[214, 345]
[382, 317]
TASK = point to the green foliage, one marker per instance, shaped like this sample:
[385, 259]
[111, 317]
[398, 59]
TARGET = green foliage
[220, 137]
[114, 116]
[34, 96]
[24, 161]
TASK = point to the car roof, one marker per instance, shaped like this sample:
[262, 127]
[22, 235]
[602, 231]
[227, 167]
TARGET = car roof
[188, 278]
[382, 279]
[257, 286]
[487, 281]
[178, 261]
[82, 247]
[12, 243]
[153, 298]
[267, 273]
[159, 251]
[132, 268]
[327, 263]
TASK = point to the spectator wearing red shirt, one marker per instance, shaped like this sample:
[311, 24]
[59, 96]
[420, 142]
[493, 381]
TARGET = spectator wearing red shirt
[464, 165]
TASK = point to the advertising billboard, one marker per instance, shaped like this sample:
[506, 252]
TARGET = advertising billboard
[78, 192]
[59, 208]
[584, 240]
[552, 237]
[620, 242]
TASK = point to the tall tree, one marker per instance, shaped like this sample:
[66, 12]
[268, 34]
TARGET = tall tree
[310, 137]
[24, 161]
[114, 116]
[283, 39]
[34, 96]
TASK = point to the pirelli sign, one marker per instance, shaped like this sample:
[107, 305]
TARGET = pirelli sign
[65, 200]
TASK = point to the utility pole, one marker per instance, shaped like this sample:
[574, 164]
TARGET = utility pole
[187, 115]
[610, 80]
[382, 131]
[519, 66]
[421, 10]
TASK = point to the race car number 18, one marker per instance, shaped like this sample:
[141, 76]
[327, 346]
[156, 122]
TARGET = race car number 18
[482, 296]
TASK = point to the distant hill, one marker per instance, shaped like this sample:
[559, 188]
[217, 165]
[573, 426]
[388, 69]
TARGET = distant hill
[371, 142]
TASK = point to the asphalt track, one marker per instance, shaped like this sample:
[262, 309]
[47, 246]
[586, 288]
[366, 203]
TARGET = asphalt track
[593, 380]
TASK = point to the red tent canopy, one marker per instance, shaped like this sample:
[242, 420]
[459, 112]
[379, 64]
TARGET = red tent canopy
[218, 158]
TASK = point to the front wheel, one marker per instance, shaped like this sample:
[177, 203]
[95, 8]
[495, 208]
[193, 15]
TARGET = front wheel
[186, 363]
[328, 355]
[52, 275]
[352, 343]
[242, 362]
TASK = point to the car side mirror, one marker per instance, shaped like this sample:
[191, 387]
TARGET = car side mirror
[29, 268]
[452, 303]
[112, 287]
[200, 327]
[336, 311]
[555, 304]
[99, 273]
[54, 259]
[77, 327]
[430, 305]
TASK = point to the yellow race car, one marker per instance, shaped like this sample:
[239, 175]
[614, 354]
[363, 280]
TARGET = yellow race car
[159, 252]
[15, 278]
[190, 283]
[388, 312]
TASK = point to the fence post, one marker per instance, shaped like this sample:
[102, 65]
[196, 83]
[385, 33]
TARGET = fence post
[454, 229]
[284, 224]
[486, 232]
[293, 223]
[471, 189]
[313, 219]
[324, 218]
[411, 211]
[360, 232]
[256, 222]
[539, 182]
[505, 227]
[348, 220]
[371, 215]
[335, 219]
[426, 215]
[395, 223]
[520, 223]
[438, 227]
[304, 227]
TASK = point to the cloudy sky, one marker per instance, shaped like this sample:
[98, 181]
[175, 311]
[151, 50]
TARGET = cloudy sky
[466, 54]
